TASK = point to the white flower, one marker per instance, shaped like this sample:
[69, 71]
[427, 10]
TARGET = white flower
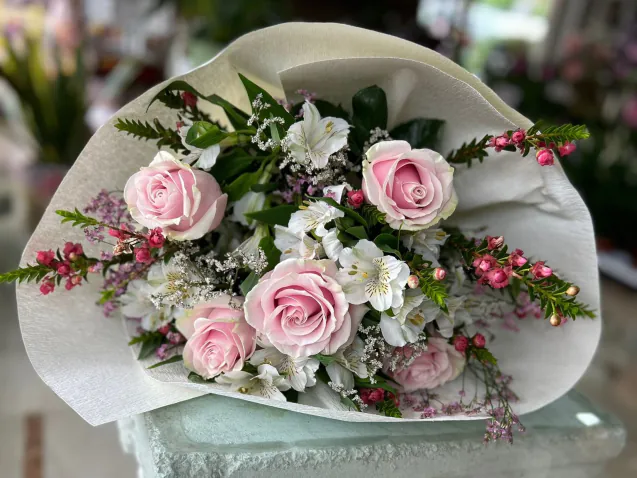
[296, 245]
[203, 158]
[299, 372]
[445, 322]
[426, 243]
[331, 245]
[348, 362]
[267, 383]
[368, 275]
[314, 216]
[250, 247]
[136, 304]
[314, 139]
[170, 280]
[407, 323]
[250, 202]
[334, 192]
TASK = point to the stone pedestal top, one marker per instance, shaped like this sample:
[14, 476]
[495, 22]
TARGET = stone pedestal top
[213, 436]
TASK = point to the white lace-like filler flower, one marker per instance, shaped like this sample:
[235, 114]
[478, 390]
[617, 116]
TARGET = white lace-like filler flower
[369, 275]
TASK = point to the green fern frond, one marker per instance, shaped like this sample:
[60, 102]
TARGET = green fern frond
[77, 218]
[25, 274]
[144, 130]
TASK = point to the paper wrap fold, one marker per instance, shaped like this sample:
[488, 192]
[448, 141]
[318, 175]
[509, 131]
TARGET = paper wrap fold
[84, 357]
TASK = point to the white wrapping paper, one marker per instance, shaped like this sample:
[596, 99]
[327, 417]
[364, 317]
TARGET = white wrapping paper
[84, 357]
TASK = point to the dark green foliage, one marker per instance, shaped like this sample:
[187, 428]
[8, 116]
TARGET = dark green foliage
[144, 130]
[466, 153]
[275, 215]
[420, 132]
[25, 274]
[173, 359]
[77, 218]
[389, 409]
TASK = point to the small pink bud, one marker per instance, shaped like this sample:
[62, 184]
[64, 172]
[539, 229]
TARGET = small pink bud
[63, 268]
[545, 157]
[499, 142]
[516, 259]
[518, 136]
[495, 242]
[47, 287]
[46, 258]
[355, 198]
[540, 271]
[460, 343]
[142, 254]
[371, 396]
[70, 248]
[498, 278]
[164, 329]
[440, 273]
[567, 148]
[156, 238]
[479, 341]
[76, 280]
[413, 281]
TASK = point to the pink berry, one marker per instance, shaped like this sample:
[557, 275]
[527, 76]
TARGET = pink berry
[460, 343]
[545, 157]
[479, 341]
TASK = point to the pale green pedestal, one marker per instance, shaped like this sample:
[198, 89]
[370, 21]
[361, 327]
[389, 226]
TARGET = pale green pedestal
[217, 437]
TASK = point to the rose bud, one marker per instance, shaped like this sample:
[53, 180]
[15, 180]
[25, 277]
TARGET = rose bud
[479, 341]
[460, 342]
[413, 281]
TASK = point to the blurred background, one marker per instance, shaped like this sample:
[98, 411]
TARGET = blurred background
[67, 65]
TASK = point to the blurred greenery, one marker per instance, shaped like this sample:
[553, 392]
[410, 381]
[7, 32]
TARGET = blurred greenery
[53, 102]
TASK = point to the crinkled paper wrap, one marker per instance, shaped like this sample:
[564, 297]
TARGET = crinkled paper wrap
[84, 357]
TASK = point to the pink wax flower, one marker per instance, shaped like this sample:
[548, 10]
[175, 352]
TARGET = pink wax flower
[355, 198]
[186, 203]
[414, 188]
[174, 338]
[300, 309]
[440, 273]
[439, 364]
[164, 329]
[120, 232]
[516, 258]
[540, 271]
[484, 264]
[46, 258]
[156, 238]
[142, 254]
[545, 157]
[518, 137]
[498, 278]
[189, 99]
[72, 251]
[460, 343]
[64, 268]
[567, 148]
[413, 281]
[162, 352]
[219, 338]
[73, 282]
[47, 286]
[371, 396]
[479, 341]
[499, 142]
[495, 242]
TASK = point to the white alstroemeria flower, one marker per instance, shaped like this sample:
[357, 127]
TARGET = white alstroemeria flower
[315, 139]
[426, 243]
[250, 202]
[198, 157]
[334, 192]
[250, 247]
[296, 245]
[267, 383]
[136, 304]
[314, 216]
[170, 280]
[299, 372]
[331, 245]
[445, 322]
[348, 362]
[369, 275]
[407, 323]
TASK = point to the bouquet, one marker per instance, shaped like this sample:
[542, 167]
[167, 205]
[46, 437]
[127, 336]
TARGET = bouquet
[331, 251]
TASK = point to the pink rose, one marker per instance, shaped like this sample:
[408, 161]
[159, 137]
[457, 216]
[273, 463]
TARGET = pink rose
[412, 187]
[219, 339]
[300, 309]
[439, 364]
[186, 203]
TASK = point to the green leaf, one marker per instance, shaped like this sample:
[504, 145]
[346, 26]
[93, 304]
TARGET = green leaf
[196, 378]
[325, 108]
[420, 132]
[203, 135]
[372, 215]
[232, 164]
[264, 188]
[150, 343]
[173, 359]
[77, 218]
[435, 290]
[388, 243]
[485, 356]
[275, 215]
[389, 409]
[25, 274]
[271, 252]
[240, 186]
[357, 231]
[144, 130]
[247, 285]
[350, 404]
[369, 107]
[275, 109]
[325, 359]
[348, 212]
[379, 383]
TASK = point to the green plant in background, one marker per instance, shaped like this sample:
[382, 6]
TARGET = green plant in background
[53, 103]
